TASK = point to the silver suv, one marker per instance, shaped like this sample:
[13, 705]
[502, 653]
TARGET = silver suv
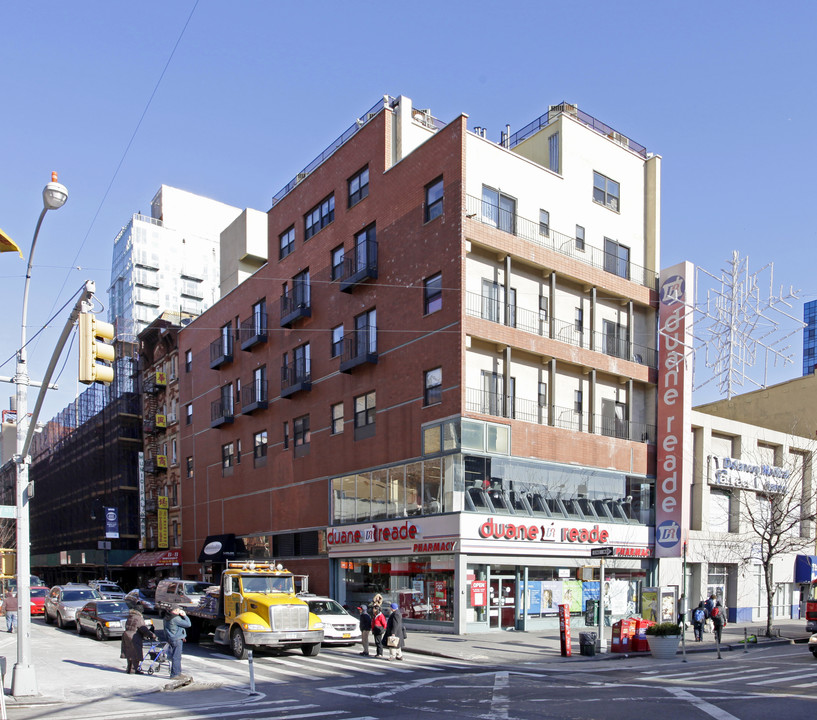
[109, 590]
[63, 602]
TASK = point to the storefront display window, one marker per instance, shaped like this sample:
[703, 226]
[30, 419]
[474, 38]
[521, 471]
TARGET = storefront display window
[422, 586]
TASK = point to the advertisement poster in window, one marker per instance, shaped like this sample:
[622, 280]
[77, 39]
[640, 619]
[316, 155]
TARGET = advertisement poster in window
[572, 595]
[649, 604]
[551, 597]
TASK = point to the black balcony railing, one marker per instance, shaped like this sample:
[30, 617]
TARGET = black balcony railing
[253, 331]
[362, 266]
[221, 412]
[254, 396]
[295, 376]
[359, 347]
[530, 230]
[221, 350]
[296, 304]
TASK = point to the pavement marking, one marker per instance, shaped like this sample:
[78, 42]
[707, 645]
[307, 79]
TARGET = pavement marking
[499, 697]
[701, 704]
[789, 676]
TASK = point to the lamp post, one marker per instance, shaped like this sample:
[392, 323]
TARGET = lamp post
[24, 681]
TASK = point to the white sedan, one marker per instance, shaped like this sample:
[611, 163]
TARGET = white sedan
[339, 627]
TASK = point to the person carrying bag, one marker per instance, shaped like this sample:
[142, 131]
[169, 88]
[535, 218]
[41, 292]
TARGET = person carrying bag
[395, 634]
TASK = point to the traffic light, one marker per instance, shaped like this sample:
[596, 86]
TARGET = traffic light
[93, 350]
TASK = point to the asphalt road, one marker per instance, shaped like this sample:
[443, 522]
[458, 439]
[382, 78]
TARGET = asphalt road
[339, 684]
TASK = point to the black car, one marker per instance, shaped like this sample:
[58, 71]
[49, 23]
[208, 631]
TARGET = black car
[105, 618]
[142, 599]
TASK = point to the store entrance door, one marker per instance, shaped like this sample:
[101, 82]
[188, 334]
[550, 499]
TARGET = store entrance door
[502, 594]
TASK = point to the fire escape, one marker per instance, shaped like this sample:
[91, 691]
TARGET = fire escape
[155, 426]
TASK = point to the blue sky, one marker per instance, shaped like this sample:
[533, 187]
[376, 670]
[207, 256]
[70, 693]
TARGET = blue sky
[724, 92]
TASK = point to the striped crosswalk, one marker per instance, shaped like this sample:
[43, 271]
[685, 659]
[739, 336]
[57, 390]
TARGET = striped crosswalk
[754, 676]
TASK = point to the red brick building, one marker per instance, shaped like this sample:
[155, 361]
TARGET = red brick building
[450, 336]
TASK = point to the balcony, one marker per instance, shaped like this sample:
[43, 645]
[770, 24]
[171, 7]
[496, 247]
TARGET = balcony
[362, 266]
[254, 396]
[295, 305]
[511, 223]
[532, 411]
[294, 378]
[221, 351]
[359, 348]
[221, 413]
[253, 331]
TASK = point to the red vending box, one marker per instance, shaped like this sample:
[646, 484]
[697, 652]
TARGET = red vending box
[640, 643]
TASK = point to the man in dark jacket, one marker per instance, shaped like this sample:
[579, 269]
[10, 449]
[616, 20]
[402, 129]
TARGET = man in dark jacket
[365, 629]
[175, 632]
[394, 628]
[718, 620]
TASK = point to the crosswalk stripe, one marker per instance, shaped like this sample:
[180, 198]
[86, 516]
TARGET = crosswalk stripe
[787, 675]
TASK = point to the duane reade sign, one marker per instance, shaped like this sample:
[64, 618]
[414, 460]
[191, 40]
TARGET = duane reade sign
[728, 472]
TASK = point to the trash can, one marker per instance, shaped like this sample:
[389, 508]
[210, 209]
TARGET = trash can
[587, 643]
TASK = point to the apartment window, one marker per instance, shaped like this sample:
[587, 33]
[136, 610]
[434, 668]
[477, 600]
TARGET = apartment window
[286, 242]
[301, 289]
[578, 321]
[286, 436]
[606, 191]
[227, 453]
[544, 223]
[188, 414]
[364, 409]
[498, 209]
[300, 428]
[337, 341]
[238, 451]
[579, 237]
[543, 394]
[433, 294]
[188, 360]
[366, 333]
[227, 399]
[259, 317]
[337, 263]
[434, 199]
[616, 258]
[433, 390]
[578, 401]
[359, 187]
[190, 467]
[302, 362]
[319, 217]
[365, 247]
[553, 152]
[337, 418]
[259, 445]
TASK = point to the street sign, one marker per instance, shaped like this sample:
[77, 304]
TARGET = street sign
[8, 511]
[602, 552]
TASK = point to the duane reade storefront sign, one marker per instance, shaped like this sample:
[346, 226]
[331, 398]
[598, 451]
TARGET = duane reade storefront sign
[728, 472]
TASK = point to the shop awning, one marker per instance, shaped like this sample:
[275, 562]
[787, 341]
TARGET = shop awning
[805, 568]
[221, 548]
[158, 558]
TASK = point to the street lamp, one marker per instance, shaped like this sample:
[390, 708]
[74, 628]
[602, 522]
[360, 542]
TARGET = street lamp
[24, 681]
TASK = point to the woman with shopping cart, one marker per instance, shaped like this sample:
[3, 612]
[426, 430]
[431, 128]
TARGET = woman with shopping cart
[136, 632]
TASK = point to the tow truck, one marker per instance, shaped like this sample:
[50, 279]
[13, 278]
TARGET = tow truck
[256, 607]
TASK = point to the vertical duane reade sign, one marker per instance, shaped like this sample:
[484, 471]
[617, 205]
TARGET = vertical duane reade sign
[676, 297]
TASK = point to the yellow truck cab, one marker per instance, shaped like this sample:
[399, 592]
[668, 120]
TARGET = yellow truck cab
[257, 607]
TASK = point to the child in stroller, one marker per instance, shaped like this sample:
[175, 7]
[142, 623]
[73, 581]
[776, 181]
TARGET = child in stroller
[155, 657]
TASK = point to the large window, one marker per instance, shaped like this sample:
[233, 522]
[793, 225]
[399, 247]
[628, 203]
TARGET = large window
[300, 427]
[498, 209]
[434, 199]
[553, 152]
[433, 294]
[227, 455]
[286, 242]
[365, 409]
[337, 263]
[606, 191]
[366, 333]
[337, 341]
[616, 258]
[433, 390]
[319, 217]
[337, 418]
[358, 186]
[259, 445]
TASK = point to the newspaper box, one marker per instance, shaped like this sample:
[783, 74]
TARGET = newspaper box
[640, 643]
[623, 631]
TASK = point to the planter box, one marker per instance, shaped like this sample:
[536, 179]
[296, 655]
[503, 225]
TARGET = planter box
[664, 647]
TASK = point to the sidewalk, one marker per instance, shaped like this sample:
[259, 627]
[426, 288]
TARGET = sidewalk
[65, 680]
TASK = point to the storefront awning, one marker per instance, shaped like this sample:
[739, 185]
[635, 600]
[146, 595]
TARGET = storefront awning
[158, 558]
[221, 548]
[805, 568]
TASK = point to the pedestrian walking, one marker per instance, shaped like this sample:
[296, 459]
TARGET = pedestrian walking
[176, 624]
[718, 620]
[378, 628]
[709, 605]
[10, 607]
[395, 635]
[136, 632]
[698, 619]
[365, 629]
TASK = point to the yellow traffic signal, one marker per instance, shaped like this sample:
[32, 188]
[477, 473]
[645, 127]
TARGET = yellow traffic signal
[93, 350]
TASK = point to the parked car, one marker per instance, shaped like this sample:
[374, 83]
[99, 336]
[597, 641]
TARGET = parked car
[108, 590]
[104, 618]
[812, 644]
[63, 601]
[174, 591]
[38, 593]
[142, 599]
[339, 626]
